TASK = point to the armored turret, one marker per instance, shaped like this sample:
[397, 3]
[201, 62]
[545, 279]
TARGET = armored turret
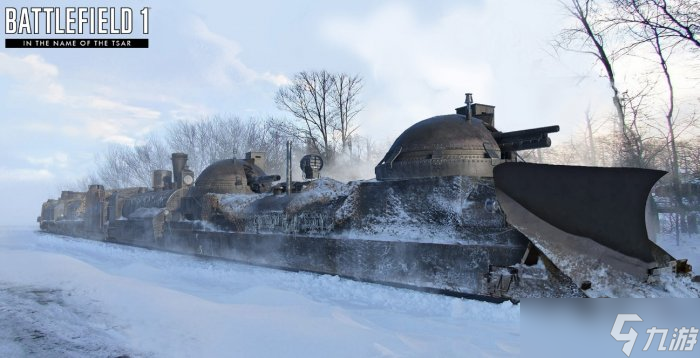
[461, 144]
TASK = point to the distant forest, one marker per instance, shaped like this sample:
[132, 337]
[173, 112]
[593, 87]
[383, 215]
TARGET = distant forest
[323, 107]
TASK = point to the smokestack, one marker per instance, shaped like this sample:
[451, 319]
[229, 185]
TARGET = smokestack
[179, 163]
[468, 100]
[289, 167]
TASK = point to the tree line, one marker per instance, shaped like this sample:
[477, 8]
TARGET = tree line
[651, 125]
[323, 108]
[644, 49]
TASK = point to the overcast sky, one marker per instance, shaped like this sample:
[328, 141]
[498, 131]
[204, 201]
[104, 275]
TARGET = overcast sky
[417, 58]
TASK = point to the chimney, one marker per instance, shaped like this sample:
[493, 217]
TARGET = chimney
[289, 167]
[179, 163]
[468, 100]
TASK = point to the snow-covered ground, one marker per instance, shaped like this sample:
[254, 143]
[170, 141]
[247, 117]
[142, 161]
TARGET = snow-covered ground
[684, 246]
[76, 298]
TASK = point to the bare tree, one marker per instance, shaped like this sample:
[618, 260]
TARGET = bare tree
[205, 141]
[595, 34]
[324, 106]
[689, 158]
[674, 20]
[611, 29]
[217, 138]
[663, 54]
[589, 137]
[124, 166]
[590, 35]
[345, 92]
[308, 99]
[663, 26]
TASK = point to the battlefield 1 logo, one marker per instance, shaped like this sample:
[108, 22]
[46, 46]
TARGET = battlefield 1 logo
[683, 339]
[38, 21]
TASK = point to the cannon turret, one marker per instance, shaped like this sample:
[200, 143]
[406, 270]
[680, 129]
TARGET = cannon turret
[461, 144]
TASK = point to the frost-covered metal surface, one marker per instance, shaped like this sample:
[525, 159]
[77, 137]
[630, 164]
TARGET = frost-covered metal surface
[461, 269]
[309, 212]
[165, 199]
[441, 146]
[440, 210]
[443, 233]
[607, 272]
[590, 224]
[449, 210]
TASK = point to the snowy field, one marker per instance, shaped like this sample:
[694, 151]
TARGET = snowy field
[65, 297]
[682, 247]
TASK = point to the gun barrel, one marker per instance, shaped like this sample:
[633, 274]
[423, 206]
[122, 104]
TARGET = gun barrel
[525, 139]
[267, 178]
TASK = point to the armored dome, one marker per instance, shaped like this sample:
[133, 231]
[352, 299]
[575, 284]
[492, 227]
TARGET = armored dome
[228, 176]
[441, 146]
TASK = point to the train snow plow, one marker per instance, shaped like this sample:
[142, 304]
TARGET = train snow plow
[588, 221]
